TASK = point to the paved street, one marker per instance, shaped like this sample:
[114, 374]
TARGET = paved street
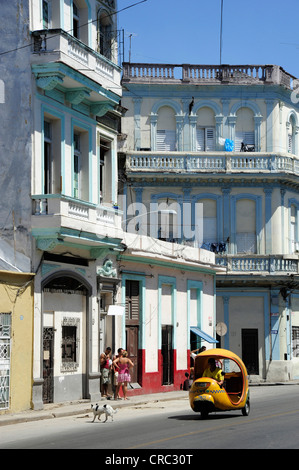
[273, 423]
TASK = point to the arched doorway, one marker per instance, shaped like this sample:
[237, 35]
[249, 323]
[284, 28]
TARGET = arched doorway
[65, 337]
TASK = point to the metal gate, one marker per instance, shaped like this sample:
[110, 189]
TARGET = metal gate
[5, 347]
[48, 364]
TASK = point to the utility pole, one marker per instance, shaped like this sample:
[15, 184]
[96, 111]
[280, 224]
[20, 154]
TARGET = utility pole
[221, 32]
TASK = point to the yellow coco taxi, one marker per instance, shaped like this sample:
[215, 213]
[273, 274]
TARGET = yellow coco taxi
[227, 391]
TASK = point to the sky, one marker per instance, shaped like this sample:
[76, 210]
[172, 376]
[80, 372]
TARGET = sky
[255, 32]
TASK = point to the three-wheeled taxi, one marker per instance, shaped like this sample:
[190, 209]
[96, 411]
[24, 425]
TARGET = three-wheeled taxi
[206, 395]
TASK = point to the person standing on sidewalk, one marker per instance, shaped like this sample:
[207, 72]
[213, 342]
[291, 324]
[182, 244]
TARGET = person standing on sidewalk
[115, 369]
[105, 364]
[124, 377]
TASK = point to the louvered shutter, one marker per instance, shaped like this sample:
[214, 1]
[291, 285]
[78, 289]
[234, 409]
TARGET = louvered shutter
[205, 139]
[165, 140]
[132, 301]
[210, 138]
[200, 139]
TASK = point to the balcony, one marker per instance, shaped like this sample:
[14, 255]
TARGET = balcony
[59, 221]
[259, 264]
[83, 67]
[207, 74]
[188, 164]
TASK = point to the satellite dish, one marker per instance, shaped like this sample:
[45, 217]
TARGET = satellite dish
[221, 329]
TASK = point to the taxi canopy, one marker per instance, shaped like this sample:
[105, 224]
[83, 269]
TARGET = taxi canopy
[201, 361]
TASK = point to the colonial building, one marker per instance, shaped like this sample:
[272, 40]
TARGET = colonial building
[60, 110]
[225, 138]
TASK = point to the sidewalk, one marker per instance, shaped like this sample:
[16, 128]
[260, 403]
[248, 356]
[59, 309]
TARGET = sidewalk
[59, 410]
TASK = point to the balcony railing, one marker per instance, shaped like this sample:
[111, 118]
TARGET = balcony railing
[252, 162]
[258, 264]
[62, 211]
[58, 45]
[207, 74]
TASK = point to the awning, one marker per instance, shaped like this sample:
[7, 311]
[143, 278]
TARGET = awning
[203, 335]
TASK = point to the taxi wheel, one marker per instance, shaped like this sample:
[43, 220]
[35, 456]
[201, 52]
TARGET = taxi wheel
[246, 409]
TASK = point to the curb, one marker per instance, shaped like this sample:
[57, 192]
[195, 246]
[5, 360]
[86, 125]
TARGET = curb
[73, 409]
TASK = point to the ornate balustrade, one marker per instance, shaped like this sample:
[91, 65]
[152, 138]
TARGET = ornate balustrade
[252, 162]
[207, 74]
[258, 264]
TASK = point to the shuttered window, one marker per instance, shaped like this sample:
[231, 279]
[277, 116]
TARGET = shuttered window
[166, 140]
[132, 302]
[205, 139]
[246, 137]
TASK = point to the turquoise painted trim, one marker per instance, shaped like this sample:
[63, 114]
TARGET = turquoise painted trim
[198, 285]
[53, 112]
[226, 319]
[172, 281]
[142, 304]
[64, 109]
[58, 67]
[274, 324]
[265, 296]
[258, 220]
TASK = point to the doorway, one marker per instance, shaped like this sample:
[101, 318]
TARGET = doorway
[132, 325]
[167, 355]
[48, 364]
[250, 350]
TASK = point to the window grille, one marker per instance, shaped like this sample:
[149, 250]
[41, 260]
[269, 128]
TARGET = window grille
[5, 347]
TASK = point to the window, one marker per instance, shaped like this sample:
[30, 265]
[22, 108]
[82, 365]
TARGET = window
[166, 129]
[69, 343]
[105, 170]
[77, 166]
[132, 302]
[205, 139]
[294, 244]
[46, 8]
[52, 154]
[166, 140]
[246, 226]
[291, 135]
[105, 34]
[76, 26]
[47, 157]
[245, 130]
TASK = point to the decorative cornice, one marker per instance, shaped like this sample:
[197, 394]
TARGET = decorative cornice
[49, 82]
[100, 109]
[77, 96]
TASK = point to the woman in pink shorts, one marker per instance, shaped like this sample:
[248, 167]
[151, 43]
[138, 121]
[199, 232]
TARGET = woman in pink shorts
[124, 364]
